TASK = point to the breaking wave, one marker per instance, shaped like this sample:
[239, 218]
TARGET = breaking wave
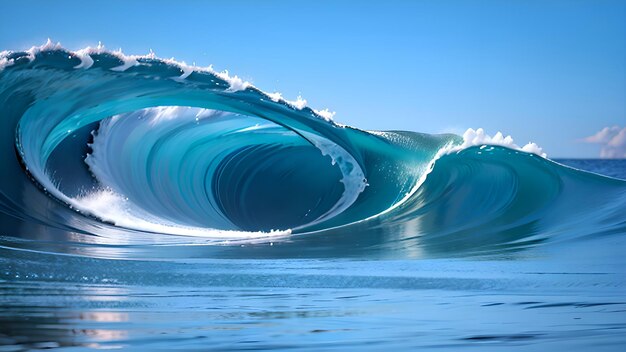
[106, 149]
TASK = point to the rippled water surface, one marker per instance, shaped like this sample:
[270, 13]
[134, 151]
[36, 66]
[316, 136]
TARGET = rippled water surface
[523, 301]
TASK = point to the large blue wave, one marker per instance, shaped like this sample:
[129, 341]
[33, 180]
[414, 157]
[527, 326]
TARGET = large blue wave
[98, 147]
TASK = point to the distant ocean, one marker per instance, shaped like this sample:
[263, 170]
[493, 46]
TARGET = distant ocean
[151, 205]
[607, 167]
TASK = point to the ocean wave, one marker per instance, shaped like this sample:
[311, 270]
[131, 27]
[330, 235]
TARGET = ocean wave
[137, 148]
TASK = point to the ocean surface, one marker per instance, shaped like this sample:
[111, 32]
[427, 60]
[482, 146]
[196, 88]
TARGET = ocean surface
[151, 205]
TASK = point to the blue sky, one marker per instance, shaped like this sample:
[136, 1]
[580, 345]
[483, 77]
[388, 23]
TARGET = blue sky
[551, 72]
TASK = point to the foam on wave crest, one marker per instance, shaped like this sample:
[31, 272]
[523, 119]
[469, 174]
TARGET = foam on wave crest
[479, 137]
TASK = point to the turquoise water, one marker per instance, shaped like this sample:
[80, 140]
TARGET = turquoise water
[149, 205]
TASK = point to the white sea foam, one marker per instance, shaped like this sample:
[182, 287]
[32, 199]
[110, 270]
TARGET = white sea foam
[326, 114]
[275, 97]
[4, 61]
[182, 65]
[31, 53]
[299, 103]
[48, 46]
[112, 207]
[353, 179]
[472, 138]
[85, 55]
[118, 210]
[236, 83]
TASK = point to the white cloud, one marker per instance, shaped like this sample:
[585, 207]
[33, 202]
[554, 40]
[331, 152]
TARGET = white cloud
[613, 142]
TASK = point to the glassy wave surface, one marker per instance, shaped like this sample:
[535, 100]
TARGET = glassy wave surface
[129, 174]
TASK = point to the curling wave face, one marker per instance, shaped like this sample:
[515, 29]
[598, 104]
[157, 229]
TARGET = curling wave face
[102, 149]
